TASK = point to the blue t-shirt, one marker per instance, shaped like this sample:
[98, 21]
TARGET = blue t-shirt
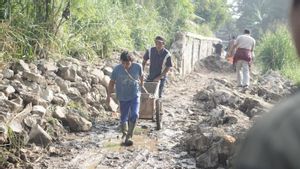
[126, 87]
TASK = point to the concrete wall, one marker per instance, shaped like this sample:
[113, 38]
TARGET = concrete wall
[189, 48]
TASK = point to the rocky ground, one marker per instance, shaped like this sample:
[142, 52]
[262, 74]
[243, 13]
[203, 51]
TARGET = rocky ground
[53, 116]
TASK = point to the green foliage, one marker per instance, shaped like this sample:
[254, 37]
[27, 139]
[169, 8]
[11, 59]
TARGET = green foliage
[87, 28]
[215, 12]
[277, 52]
[260, 15]
[16, 141]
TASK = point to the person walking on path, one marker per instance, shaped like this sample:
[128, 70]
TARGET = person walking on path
[274, 140]
[127, 77]
[160, 63]
[244, 46]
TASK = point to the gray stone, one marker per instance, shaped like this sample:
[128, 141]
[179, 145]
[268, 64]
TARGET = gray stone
[47, 66]
[39, 110]
[203, 95]
[68, 73]
[33, 98]
[3, 96]
[55, 88]
[33, 120]
[83, 87]
[18, 86]
[105, 81]
[7, 89]
[16, 126]
[108, 71]
[64, 85]
[10, 106]
[73, 93]
[100, 89]
[47, 95]
[34, 77]
[60, 113]
[3, 133]
[39, 136]
[8, 73]
[98, 75]
[253, 106]
[77, 123]
[33, 68]
[18, 100]
[21, 66]
[60, 99]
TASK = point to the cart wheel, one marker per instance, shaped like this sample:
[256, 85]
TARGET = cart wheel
[158, 110]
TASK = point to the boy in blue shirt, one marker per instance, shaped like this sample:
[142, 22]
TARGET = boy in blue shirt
[128, 79]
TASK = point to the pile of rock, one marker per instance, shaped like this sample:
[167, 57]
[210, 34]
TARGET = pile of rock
[214, 63]
[38, 101]
[228, 113]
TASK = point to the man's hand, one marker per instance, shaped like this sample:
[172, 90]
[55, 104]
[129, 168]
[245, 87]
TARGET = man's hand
[157, 79]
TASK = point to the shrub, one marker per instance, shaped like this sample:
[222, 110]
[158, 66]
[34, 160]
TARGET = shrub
[277, 52]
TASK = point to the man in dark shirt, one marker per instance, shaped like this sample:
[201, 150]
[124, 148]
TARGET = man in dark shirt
[218, 49]
[274, 142]
[160, 63]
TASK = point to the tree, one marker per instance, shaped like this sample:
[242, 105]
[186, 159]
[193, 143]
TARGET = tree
[214, 12]
[260, 15]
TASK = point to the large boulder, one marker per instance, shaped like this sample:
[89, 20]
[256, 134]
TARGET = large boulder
[60, 99]
[60, 113]
[20, 66]
[7, 89]
[83, 87]
[47, 66]
[212, 145]
[68, 73]
[34, 99]
[34, 77]
[254, 106]
[8, 73]
[73, 93]
[47, 95]
[63, 84]
[39, 110]
[107, 71]
[9, 106]
[77, 123]
[39, 136]
[97, 76]
[105, 81]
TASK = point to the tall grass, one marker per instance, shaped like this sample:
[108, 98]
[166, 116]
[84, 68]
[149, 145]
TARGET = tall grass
[33, 29]
[276, 51]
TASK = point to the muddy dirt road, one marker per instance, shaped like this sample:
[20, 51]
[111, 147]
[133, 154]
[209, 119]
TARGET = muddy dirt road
[100, 148]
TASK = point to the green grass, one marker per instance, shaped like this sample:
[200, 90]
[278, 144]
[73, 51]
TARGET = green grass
[276, 51]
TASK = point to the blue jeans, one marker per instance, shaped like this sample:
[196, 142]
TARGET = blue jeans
[130, 110]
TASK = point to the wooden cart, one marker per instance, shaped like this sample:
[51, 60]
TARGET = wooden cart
[151, 106]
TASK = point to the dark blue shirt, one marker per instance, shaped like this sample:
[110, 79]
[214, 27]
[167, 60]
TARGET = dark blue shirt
[158, 61]
[126, 87]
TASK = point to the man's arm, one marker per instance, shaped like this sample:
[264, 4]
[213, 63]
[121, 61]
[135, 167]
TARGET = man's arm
[163, 74]
[233, 48]
[144, 64]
